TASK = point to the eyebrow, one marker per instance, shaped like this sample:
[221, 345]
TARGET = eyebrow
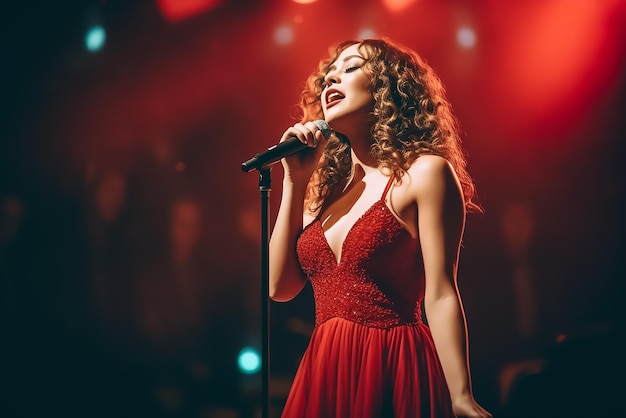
[333, 66]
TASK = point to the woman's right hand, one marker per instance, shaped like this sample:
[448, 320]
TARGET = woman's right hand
[466, 407]
[300, 166]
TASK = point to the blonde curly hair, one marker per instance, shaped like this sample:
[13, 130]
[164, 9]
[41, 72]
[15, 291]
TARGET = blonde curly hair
[411, 114]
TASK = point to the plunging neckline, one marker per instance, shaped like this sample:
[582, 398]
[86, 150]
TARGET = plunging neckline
[338, 259]
[380, 201]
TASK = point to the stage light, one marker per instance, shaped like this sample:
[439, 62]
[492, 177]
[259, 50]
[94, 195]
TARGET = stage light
[466, 37]
[557, 58]
[304, 1]
[249, 360]
[283, 35]
[366, 33]
[95, 38]
[178, 10]
[397, 6]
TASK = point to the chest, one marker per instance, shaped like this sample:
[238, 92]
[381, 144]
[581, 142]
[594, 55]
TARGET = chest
[340, 217]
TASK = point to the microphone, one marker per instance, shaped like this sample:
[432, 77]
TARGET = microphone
[277, 152]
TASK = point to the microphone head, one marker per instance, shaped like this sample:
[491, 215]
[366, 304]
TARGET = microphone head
[323, 127]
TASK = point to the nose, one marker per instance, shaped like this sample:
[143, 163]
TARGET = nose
[332, 77]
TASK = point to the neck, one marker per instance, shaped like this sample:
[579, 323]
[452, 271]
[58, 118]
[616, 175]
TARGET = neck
[360, 138]
[361, 167]
[365, 161]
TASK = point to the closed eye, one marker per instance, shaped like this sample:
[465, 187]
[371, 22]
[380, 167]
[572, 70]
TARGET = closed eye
[350, 69]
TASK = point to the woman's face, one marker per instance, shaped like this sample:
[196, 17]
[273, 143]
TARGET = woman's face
[346, 96]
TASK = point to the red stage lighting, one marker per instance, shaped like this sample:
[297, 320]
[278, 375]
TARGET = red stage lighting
[556, 59]
[178, 10]
[397, 6]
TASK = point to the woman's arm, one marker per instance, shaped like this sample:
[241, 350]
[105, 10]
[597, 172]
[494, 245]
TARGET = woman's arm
[441, 221]
[286, 279]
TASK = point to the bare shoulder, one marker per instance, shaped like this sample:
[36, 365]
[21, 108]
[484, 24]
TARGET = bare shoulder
[434, 183]
[432, 171]
[430, 162]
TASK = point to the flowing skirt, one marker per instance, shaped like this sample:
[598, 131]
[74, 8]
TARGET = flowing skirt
[353, 371]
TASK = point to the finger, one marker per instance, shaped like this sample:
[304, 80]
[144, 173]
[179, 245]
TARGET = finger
[310, 131]
[318, 135]
[304, 133]
[483, 412]
[293, 131]
[321, 138]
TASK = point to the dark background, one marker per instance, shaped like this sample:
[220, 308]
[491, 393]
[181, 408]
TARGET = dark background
[129, 236]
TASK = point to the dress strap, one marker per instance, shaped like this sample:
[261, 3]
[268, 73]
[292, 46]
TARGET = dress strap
[389, 183]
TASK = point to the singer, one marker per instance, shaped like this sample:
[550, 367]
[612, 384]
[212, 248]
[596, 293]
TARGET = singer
[373, 218]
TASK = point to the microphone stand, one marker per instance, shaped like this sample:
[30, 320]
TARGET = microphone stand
[265, 188]
[263, 162]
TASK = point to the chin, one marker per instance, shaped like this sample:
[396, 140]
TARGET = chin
[343, 122]
[336, 119]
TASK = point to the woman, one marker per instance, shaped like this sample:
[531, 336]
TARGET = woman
[375, 215]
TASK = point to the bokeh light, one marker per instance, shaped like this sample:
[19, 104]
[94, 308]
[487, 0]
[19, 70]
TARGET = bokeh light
[179, 10]
[95, 38]
[283, 35]
[466, 37]
[249, 361]
[366, 33]
[398, 6]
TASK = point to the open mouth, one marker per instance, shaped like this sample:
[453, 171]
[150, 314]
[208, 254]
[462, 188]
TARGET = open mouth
[333, 97]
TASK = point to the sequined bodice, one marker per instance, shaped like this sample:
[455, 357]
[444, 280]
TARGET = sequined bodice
[379, 280]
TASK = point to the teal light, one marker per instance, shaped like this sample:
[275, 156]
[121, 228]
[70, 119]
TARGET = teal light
[249, 361]
[95, 38]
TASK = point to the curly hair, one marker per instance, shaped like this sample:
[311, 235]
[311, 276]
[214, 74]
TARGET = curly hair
[411, 114]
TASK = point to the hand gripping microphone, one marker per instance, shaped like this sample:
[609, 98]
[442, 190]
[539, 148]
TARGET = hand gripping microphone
[289, 146]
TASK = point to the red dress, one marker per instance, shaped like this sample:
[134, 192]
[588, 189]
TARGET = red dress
[370, 355]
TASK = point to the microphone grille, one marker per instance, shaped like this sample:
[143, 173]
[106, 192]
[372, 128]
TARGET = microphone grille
[323, 126]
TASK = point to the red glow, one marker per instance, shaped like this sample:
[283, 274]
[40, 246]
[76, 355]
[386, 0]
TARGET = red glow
[557, 56]
[396, 6]
[178, 10]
